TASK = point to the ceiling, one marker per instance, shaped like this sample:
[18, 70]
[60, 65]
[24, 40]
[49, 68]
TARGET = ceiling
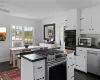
[40, 9]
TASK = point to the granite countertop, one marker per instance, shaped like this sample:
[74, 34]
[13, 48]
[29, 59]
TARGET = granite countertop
[33, 57]
[93, 46]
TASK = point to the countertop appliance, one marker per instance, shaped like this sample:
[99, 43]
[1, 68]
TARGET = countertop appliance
[93, 62]
[86, 41]
[55, 59]
[70, 39]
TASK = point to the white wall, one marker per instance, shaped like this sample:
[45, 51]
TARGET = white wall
[57, 20]
[7, 21]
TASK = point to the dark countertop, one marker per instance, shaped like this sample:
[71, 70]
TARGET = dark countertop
[93, 46]
[33, 57]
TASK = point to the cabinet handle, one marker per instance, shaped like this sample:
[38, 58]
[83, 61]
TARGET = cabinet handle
[72, 76]
[66, 20]
[70, 58]
[39, 67]
[92, 29]
[78, 65]
[89, 29]
[68, 66]
[80, 50]
[72, 65]
[81, 18]
[81, 29]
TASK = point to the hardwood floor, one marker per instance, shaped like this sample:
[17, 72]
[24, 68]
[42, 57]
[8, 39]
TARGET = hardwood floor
[78, 75]
[83, 76]
[5, 66]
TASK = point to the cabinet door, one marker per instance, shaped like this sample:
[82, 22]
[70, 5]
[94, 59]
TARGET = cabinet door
[72, 20]
[70, 72]
[78, 62]
[83, 63]
[96, 19]
[86, 21]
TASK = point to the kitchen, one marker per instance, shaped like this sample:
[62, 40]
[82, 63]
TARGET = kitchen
[65, 44]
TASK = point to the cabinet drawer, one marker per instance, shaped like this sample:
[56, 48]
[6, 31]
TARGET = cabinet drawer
[82, 50]
[39, 65]
[40, 75]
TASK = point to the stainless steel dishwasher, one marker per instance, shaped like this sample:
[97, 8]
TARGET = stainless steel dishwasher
[93, 62]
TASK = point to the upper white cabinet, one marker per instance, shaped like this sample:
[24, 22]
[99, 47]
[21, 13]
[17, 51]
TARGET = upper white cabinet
[86, 21]
[90, 18]
[96, 19]
[71, 21]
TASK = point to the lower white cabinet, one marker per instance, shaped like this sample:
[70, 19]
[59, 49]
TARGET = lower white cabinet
[40, 75]
[70, 66]
[32, 70]
[81, 63]
[70, 72]
[81, 59]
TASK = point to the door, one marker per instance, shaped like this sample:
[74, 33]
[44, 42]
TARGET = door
[83, 64]
[96, 19]
[72, 20]
[70, 72]
[86, 21]
[78, 63]
[93, 62]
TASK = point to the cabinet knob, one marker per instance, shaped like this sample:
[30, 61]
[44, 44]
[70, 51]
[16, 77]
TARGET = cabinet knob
[92, 29]
[74, 26]
[89, 29]
[39, 67]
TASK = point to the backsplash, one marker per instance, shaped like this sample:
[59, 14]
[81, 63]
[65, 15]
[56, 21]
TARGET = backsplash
[95, 36]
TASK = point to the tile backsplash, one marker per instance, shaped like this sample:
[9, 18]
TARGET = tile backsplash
[95, 36]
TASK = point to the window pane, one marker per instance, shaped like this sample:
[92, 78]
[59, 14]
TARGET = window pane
[28, 33]
[16, 32]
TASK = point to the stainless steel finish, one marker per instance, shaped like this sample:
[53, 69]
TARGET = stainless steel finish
[90, 42]
[54, 63]
[93, 62]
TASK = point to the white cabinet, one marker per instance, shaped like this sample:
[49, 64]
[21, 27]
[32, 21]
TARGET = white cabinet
[71, 21]
[81, 59]
[32, 70]
[70, 66]
[90, 18]
[96, 19]
[86, 18]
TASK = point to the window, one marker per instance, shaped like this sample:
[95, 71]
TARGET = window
[23, 34]
[28, 35]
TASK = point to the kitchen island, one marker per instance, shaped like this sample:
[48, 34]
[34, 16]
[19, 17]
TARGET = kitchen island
[40, 64]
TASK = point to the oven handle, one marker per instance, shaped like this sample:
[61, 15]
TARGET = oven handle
[55, 64]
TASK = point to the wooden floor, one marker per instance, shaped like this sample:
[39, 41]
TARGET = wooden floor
[78, 75]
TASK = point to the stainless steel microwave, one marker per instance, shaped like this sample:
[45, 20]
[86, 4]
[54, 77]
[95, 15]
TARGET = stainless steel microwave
[86, 41]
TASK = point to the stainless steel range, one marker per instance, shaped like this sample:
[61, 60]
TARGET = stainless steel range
[54, 58]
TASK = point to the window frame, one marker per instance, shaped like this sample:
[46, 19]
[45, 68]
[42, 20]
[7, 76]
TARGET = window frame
[23, 37]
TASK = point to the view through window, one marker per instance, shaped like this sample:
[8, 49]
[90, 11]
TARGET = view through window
[23, 34]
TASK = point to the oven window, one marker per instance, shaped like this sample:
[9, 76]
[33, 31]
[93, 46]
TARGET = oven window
[84, 41]
[58, 72]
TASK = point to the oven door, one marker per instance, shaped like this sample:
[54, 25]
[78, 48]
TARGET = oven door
[70, 42]
[57, 72]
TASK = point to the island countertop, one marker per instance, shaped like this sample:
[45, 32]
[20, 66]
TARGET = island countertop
[33, 57]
